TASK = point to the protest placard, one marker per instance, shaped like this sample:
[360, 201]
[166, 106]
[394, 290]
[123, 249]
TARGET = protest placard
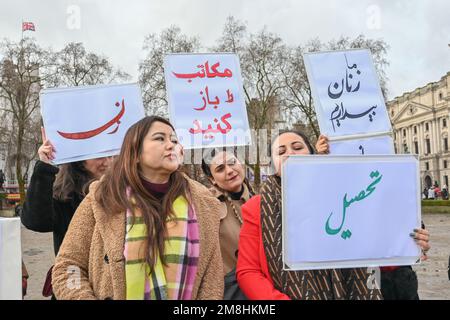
[350, 211]
[10, 259]
[363, 146]
[206, 100]
[347, 95]
[91, 121]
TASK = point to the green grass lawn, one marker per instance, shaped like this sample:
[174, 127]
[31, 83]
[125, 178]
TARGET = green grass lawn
[435, 206]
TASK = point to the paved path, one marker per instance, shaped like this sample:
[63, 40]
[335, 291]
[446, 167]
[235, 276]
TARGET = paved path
[432, 274]
[37, 253]
[433, 280]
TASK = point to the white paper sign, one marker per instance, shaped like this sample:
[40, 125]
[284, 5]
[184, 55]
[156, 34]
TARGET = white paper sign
[206, 100]
[350, 211]
[10, 259]
[347, 95]
[83, 122]
[374, 145]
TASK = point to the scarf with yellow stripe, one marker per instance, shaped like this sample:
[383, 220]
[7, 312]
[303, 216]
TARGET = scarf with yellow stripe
[174, 281]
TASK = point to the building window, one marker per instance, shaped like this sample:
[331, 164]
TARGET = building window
[444, 123]
[427, 127]
[415, 129]
[446, 180]
[428, 145]
[427, 166]
[416, 147]
[445, 164]
[404, 132]
[445, 144]
[441, 96]
[405, 148]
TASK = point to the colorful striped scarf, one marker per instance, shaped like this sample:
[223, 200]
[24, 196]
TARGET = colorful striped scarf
[174, 281]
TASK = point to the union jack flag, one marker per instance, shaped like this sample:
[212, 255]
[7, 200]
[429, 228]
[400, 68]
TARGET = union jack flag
[28, 26]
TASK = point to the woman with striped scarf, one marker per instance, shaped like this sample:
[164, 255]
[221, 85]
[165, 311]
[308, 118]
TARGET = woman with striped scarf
[145, 231]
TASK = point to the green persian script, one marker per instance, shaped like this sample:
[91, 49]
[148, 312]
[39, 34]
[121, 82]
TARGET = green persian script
[346, 203]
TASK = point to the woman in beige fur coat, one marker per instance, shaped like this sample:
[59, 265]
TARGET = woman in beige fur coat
[145, 231]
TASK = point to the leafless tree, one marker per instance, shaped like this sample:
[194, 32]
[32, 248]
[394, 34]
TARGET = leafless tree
[151, 69]
[275, 82]
[262, 57]
[23, 69]
[297, 94]
[76, 67]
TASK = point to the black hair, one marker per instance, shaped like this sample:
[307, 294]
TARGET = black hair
[300, 134]
[209, 154]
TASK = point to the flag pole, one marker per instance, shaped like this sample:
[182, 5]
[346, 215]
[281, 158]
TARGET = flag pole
[22, 29]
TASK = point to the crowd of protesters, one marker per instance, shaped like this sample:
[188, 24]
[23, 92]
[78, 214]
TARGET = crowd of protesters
[137, 227]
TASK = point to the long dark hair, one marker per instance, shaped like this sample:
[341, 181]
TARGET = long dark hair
[72, 180]
[124, 173]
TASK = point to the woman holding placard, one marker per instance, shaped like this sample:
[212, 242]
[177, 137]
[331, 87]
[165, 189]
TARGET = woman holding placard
[54, 193]
[260, 270]
[227, 175]
[400, 282]
[145, 231]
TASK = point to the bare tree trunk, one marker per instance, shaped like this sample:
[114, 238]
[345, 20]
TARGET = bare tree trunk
[19, 175]
[257, 169]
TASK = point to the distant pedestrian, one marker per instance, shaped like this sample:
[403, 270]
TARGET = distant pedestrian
[437, 192]
[444, 192]
[431, 194]
[425, 193]
[2, 178]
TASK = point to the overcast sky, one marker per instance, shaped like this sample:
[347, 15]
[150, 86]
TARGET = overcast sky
[417, 31]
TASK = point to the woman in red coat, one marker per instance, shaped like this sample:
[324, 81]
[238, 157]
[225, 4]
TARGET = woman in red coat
[260, 267]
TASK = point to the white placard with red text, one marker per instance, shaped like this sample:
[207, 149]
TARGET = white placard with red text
[89, 122]
[206, 100]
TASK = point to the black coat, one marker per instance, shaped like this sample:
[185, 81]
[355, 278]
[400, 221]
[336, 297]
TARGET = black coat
[42, 213]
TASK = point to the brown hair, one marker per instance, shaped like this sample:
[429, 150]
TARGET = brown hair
[125, 173]
[208, 156]
[72, 179]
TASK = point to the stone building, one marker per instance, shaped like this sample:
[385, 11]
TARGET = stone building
[420, 121]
